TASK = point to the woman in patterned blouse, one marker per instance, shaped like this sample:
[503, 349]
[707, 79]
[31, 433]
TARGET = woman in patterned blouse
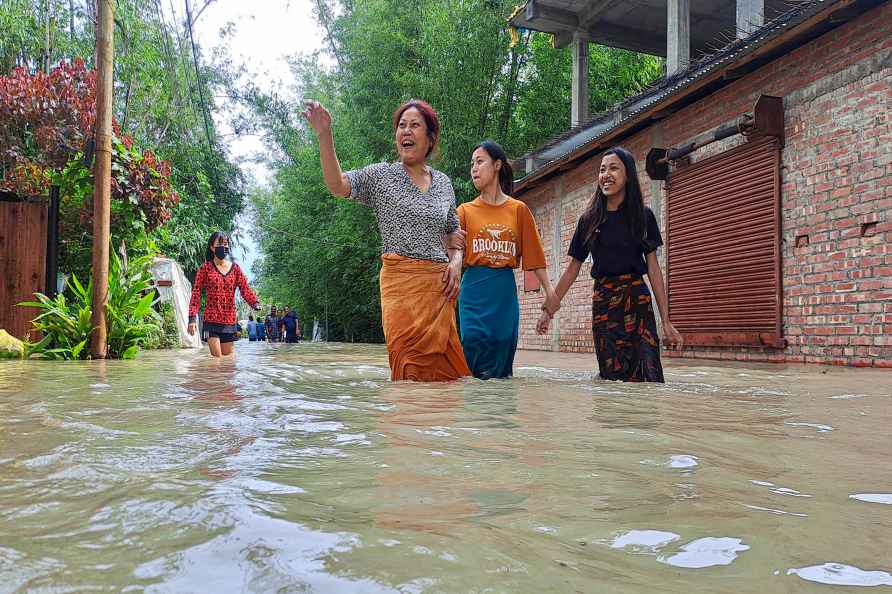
[415, 209]
[219, 278]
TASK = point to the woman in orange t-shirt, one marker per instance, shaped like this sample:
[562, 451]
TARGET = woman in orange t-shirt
[501, 234]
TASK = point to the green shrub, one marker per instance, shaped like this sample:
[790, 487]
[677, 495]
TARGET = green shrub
[131, 320]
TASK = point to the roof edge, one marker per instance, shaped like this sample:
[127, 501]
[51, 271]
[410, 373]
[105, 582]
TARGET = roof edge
[684, 86]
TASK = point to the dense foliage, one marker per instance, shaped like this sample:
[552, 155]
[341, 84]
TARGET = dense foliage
[64, 322]
[162, 103]
[320, 253]
[46, 122]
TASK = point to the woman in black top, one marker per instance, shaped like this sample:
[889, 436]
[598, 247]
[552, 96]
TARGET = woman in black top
[622, 236]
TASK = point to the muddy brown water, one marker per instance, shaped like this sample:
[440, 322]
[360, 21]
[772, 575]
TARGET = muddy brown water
[301, 468]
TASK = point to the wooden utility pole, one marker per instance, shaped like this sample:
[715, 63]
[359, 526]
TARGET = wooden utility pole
[102, 175]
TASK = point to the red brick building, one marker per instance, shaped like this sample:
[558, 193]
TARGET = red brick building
[808, 278]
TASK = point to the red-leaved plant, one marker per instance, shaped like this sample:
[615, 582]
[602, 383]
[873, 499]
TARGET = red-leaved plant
[46, 121]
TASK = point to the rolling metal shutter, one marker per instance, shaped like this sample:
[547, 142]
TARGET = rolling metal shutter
[723, 258]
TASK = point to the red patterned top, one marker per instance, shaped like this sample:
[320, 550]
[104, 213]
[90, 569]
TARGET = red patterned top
[219, 307]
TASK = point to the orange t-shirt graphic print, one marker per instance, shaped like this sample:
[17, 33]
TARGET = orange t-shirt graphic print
[500, 236]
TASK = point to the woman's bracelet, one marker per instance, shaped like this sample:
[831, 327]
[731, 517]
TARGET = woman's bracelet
[545, 309]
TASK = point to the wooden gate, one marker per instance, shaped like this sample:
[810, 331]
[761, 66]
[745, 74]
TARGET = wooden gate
[23, 230]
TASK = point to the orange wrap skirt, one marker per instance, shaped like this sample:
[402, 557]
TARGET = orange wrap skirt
[419, 321]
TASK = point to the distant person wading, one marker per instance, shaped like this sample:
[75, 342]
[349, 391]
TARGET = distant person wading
[219, 278]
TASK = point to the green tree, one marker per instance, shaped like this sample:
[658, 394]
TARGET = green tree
[162, 99]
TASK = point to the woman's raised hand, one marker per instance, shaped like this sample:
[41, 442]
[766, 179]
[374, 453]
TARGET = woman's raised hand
[318, 117]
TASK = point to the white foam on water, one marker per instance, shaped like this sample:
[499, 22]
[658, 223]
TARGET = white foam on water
[791, 492]
[873, 497]
[543, 369]
[315, 452]
[644, 539]
[435, 453]
[269, 487]
[756, 391]
[676, 461]
[317, 427]
[311, 405]
[706, 552]
[821, 428]
[435, 432]
[683, 461]
[99, 386]
[781, 490]
[847, 396]
[352, 438]
[777, 512]
[417, 586]
[546, 529]
[838, 574]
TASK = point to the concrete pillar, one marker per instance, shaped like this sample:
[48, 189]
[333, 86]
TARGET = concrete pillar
[557, 246]
[678, 36]
[579, 96]
[750, 16]
[530, 164]
[656, 205]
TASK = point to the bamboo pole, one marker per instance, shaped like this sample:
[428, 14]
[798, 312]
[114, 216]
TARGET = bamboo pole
[102, 175]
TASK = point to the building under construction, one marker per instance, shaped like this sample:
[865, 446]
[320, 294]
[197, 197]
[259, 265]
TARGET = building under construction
[766, 153]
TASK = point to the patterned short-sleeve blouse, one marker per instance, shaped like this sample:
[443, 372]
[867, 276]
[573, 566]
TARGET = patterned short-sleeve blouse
[412, 222]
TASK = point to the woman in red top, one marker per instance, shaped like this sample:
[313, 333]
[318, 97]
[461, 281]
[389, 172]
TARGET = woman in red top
[219, 278]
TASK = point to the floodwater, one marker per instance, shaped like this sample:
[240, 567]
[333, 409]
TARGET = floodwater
[301, 468]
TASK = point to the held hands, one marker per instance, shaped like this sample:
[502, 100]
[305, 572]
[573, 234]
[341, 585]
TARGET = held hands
[192, 329]
[452, 278]
[318, 117]
[543, 323]
[549, 308]
[552, 303]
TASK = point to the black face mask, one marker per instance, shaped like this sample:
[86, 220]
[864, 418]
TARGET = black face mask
[221, 251]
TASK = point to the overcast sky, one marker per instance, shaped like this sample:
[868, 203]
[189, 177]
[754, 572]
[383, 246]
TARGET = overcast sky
[265, 33]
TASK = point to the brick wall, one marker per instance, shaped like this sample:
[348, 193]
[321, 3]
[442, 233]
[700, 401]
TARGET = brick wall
[837, 192]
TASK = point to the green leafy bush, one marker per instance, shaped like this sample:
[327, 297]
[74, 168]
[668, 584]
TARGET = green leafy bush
[65, 323]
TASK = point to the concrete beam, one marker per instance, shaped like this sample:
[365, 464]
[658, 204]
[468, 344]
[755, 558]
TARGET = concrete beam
[594, 11]
[626, 37]
[630, 39]
[579, 94]
[678, 36]
[540, 14]
[750, 16]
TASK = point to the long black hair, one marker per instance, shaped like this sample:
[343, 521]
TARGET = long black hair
[506, 173]
[633, 205]
[209, 253]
